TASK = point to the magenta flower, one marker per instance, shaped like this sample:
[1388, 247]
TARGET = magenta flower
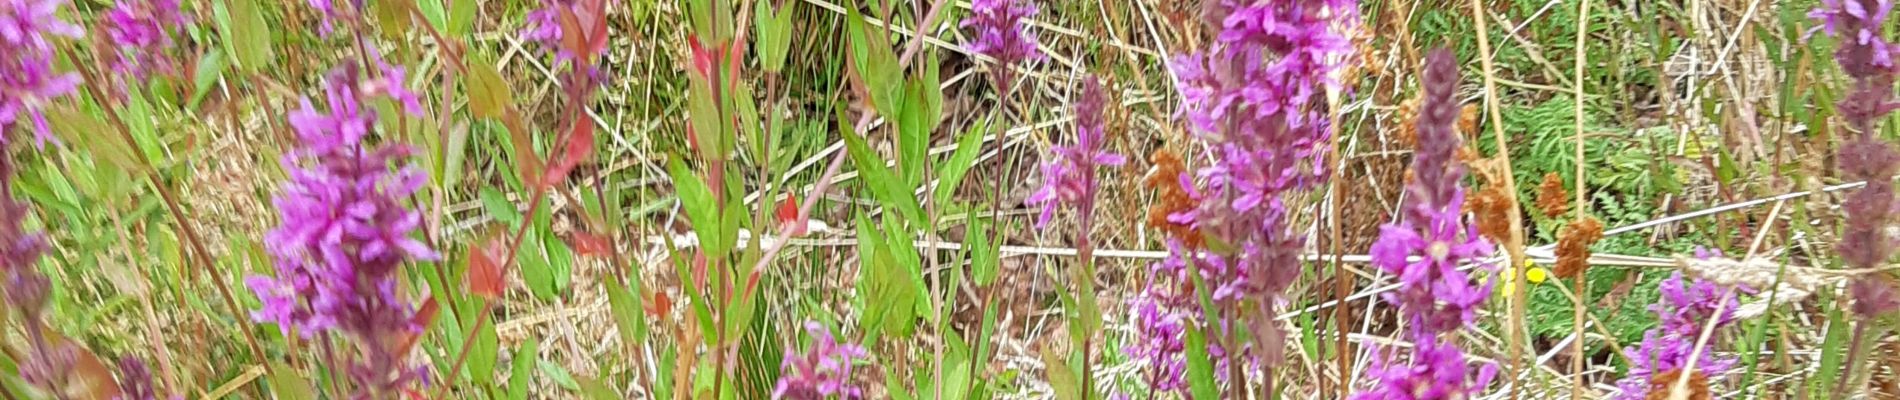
[1069, 179]
[345, 229]
[1424, 250]
[333, 12]
[822, 371]
[141, 33]
[1682, 309]
[1001, 34]
[27, 79]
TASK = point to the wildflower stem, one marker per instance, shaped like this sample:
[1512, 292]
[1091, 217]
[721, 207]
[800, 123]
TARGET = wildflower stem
[1582, 207]
[1514, 243]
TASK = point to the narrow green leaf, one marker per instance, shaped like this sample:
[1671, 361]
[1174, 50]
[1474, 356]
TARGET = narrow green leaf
[558, 374]
[497, 205]
[774, 34]
[1200, 367]
[889, 191]
[950, 174]
[1833, 347]
[695, 197]
[629, 312]
[913, 135]
[983, 261]
[86, 132]
[482, 355]
[521, 373]
[210, 70]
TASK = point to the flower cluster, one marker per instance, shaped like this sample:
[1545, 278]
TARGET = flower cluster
[345, 230]
[27, 79]
[1069, 179]
[135, 380]
[1682, 309]
[1255, 98]
[138, 33]
[1868, 57]
[332, 12]
[822, 371]
[1425, 251]
[1001, 34]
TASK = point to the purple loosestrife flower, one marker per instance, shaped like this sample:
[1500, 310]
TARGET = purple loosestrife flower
[1162, 348]
[345, 230]
[1682, 309]
[1002, 35]
[1424, 250]
[1867, 57]
[27, 79]
[822, 371]
[1255, 97]
[1069, 179]
[135, 380]
[333, 12]
[139, 32]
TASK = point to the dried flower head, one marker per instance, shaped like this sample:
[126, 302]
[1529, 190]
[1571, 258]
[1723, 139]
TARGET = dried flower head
[1663, 386]
[1573, 246]
[1552, 199]
[1169, 179]
[1468, 120]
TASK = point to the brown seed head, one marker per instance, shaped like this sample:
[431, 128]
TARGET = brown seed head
[1573, 246]
[1164, 178]
[1551, 197]
[1662, 386]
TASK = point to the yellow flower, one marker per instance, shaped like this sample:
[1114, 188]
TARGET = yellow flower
[1532, 273]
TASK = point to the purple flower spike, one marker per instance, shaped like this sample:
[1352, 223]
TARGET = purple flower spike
[27, 79]
[1425, 250]
[1255, 99]
[1682, 308]
[1001, 34]
[141, 30]
[345, 230]
[822, 372]
[1867, 57]
[1069, 179]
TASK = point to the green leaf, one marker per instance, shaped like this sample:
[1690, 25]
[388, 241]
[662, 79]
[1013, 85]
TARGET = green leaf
[462, 14]
[774, 34]
[983, 259]
[210, 70]
[697, 199]
[891, 192]
[889, 295]
[561, 258]
[86, 132]
[1833, 347]
[248, 35]
[432, 11]
[593, 390]
[913, 135]
[896, 386]
[287, 384]
[876, 63]
[481, 355]
[488, 95]
[950, 174]
[559, 375]
[1061, 378]
[497, 205]
[393, 17]
[1200, 367]
[536, 271]
[629, 313]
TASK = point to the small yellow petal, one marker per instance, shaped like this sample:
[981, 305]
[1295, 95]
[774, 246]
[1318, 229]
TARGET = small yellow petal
[1537, 274]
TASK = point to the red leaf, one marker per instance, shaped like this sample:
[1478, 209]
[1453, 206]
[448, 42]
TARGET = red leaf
[580, 144]
[590, 245]
[788, 214]
[573, 39]
[484, 270]
[659, 305]
[595, 19]
[703, 59]
[424, 317]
